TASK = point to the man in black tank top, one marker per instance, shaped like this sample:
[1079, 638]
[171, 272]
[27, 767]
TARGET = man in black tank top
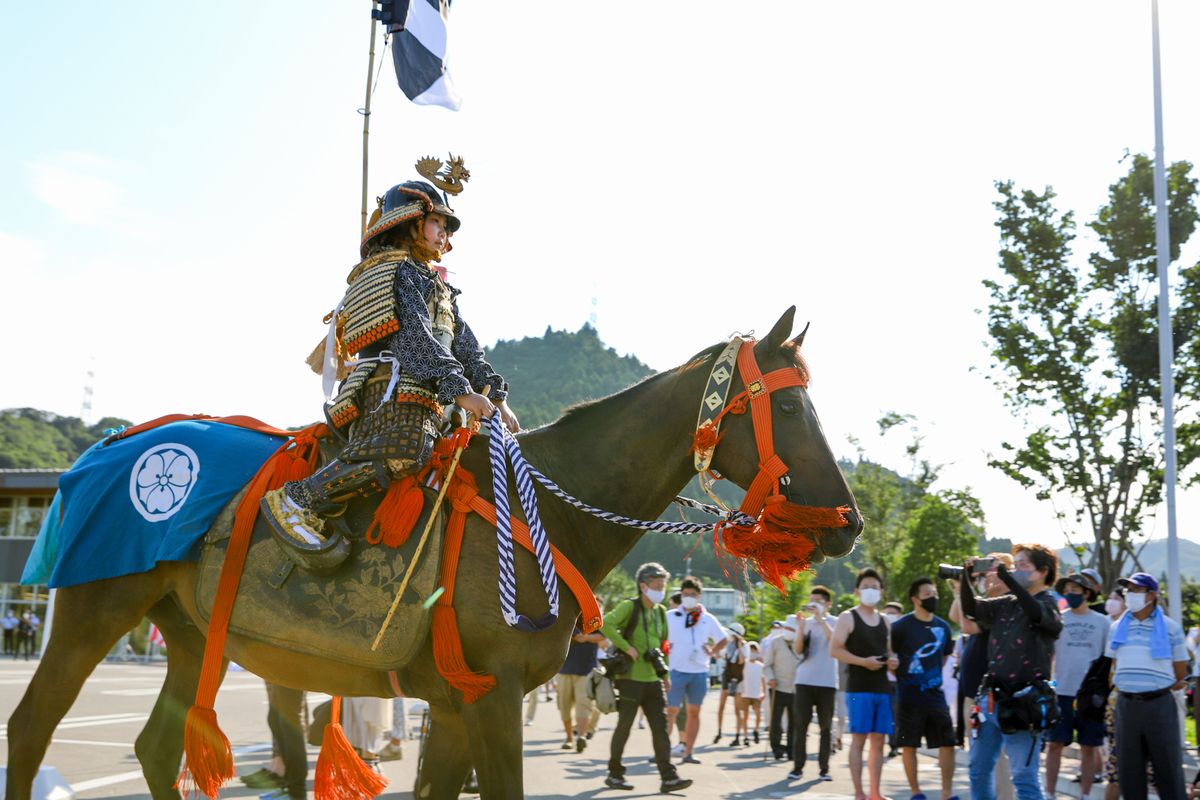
[862, 640]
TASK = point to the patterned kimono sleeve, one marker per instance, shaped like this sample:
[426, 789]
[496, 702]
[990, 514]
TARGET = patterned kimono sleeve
[422, 356]
[468, 352]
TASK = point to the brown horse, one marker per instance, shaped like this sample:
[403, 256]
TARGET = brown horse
[629, 453]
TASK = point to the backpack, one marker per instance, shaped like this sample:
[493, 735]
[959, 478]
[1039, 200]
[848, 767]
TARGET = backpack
[1092, 697]
[601, 691]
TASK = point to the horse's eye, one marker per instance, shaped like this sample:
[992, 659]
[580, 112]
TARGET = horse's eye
[789, 406]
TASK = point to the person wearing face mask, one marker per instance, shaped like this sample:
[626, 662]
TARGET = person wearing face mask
[1024, 627]
[1150, 658]
[1082, 641]
[923, 641]
[1114, 606]
[862, 640]
[893, 611]
[695, 636]
[973, 661]
[638, 628]
[779, 669]
[816, 682]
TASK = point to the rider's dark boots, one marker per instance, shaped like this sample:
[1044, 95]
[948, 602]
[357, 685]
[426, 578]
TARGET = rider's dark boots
[299, 512]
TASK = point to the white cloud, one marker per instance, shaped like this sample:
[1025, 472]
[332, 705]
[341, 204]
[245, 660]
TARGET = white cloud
[90, 190]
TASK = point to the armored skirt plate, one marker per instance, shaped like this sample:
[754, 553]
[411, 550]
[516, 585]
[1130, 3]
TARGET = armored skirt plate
[335, 616]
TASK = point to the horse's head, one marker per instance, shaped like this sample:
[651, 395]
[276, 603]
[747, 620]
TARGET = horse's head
[772, 445]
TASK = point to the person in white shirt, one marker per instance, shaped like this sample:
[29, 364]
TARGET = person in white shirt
[750, 694]
[695, 636]
[816, 681]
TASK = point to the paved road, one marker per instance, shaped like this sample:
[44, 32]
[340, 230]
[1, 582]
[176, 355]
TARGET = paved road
[93, 747]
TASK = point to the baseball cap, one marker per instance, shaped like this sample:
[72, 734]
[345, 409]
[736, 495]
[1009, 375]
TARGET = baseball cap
[1077, 578]
[1142, 579]
[1094, 576]
[792, 622]
[738, 628]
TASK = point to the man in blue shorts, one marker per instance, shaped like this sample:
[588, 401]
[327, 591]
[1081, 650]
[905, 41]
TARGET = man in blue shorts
[1083, 639]
[695, 635]
[862, 640]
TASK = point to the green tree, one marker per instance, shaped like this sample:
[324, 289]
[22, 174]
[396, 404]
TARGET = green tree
[886, 498]
[550, 373]
[1076, 355]
[764, 604]
[944, 528]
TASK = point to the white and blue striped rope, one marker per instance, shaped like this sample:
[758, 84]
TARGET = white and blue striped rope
[501, 444]
[503, 449]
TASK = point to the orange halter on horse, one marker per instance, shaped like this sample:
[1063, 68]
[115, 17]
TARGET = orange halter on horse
[778, 543]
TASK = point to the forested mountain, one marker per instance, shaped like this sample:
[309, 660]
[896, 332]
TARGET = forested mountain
[558, 369]
[32, 439]
[547, 374]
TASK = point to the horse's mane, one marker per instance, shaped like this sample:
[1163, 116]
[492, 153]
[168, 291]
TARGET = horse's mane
[790, 350]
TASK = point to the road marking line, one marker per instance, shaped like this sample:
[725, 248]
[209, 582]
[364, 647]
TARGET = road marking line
[118, 720]
[157, 689]
[122, 777]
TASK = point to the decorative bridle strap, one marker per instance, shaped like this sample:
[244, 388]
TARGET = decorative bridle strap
[756, 395]
[712, 407]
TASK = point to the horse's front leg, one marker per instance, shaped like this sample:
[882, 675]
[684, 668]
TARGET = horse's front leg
[494, 723]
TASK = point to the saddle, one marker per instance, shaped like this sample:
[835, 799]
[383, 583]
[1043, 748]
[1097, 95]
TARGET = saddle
[334, 616]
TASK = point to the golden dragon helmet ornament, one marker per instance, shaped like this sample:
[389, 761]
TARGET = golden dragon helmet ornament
[448, 177]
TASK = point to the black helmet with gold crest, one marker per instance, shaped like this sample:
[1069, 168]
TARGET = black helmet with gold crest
[414, 199]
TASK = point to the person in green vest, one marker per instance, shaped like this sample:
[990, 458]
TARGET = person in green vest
[637, 628]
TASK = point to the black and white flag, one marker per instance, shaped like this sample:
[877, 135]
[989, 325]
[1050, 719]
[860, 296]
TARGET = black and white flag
[418, 30]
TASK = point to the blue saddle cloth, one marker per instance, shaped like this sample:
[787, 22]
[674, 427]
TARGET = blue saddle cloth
[125, 506]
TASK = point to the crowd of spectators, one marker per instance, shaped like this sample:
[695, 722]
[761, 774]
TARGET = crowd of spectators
[1040, 662]
[1029, 663]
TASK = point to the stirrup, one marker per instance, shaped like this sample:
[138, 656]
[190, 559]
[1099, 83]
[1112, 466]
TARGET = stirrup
[295, 529]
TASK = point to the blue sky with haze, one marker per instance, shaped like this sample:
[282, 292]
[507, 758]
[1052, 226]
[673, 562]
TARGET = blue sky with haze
[181, 189]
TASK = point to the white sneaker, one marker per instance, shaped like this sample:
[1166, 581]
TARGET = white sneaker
[677, 750]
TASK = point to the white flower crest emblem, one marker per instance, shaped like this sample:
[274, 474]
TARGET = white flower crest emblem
[161, 480]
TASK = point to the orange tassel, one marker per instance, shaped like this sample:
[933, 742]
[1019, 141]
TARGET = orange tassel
[706, 439]
[208, 761]
[397, 515]
[779, 545]
[340, 773]
[451, 663]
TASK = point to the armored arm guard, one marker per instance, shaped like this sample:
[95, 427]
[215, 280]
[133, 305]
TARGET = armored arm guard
[477, 370]
[420, 353]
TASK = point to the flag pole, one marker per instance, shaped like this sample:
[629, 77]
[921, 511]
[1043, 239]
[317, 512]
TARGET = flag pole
[366, 112]
[1166, 366]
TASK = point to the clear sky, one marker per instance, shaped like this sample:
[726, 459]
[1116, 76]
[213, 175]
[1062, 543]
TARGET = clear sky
[181, 184]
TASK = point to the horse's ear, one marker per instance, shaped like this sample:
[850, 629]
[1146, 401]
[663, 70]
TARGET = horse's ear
[782, 329]
[799, 340]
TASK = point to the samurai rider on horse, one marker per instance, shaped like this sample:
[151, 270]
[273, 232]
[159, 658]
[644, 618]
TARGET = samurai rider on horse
[402, 351]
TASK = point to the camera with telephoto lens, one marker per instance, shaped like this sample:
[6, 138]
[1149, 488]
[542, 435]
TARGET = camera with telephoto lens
[658, 661]
[981, 567]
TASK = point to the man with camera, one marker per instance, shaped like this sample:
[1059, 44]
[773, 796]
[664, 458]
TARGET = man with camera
[637, 628]
[1015, 703]
[695, 636]
[1151, 660]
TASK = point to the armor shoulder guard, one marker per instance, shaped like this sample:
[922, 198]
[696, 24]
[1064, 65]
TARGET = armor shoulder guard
[369, 308]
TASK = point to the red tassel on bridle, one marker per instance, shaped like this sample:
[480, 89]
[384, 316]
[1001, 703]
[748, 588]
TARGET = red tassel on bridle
[780, 544]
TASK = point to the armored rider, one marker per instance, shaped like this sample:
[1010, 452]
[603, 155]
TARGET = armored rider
[403, 352]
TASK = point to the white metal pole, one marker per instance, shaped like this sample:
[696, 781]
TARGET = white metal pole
[1166, 361]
